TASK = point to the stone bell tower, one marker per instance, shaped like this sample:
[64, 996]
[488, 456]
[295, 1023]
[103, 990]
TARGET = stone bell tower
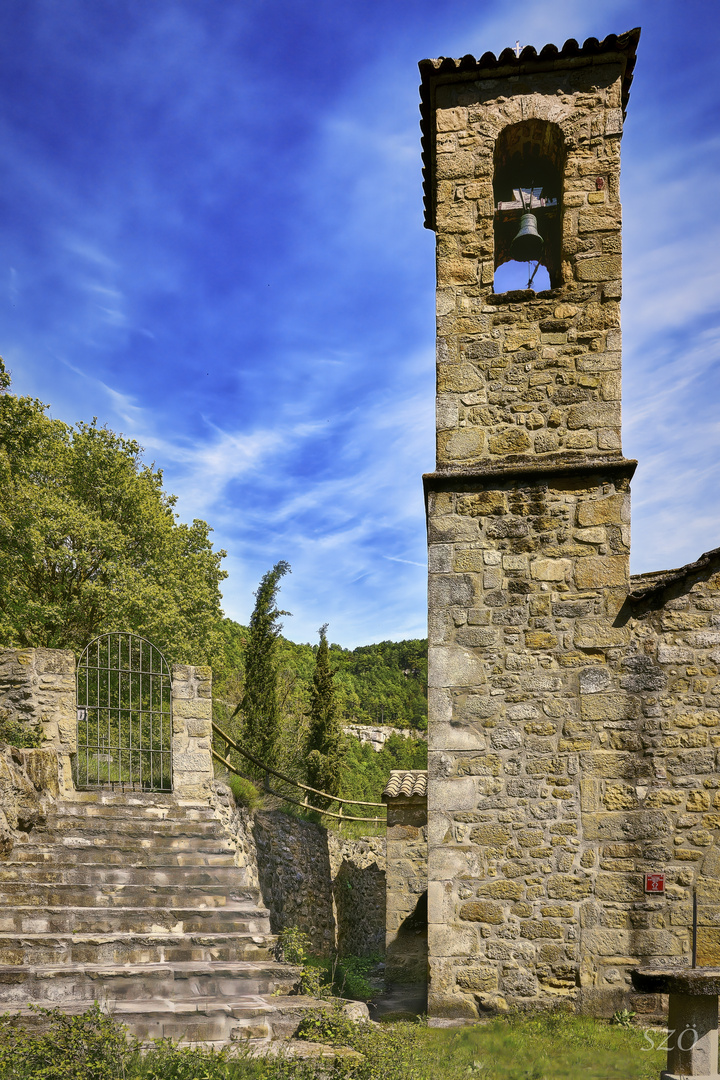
[528, 509]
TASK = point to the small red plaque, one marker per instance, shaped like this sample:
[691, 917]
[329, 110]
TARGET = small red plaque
[654, 883]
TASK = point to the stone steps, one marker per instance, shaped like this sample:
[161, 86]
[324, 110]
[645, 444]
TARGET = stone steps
[136, 828]
[168, 875]
[210, 1021]
[129, 947]
[44, 894]
[47, 984]
[62, 856]
[134, 900]
[246, 919]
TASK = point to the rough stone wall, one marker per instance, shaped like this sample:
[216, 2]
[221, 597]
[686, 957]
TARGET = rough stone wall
[192, 731]
[358, 883]
[238, 825]
[332, 889]
[651, 795]
[407, 883]
[523, 621]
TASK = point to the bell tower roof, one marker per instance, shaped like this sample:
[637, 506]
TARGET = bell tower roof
[509, 64]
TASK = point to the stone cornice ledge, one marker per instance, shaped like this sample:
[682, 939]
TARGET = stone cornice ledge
[530, 469]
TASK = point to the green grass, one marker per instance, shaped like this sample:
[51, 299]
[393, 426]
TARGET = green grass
[552, 1046]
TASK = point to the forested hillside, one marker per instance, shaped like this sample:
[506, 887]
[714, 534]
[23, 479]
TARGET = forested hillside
[384, 683]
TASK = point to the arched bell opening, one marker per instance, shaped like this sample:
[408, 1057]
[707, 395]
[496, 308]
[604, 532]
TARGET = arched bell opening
[529, 162]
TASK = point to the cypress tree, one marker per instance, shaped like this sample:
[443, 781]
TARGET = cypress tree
[260, 707]
[325, 734]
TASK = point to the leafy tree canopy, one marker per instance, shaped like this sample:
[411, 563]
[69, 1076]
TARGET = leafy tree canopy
[89, 541]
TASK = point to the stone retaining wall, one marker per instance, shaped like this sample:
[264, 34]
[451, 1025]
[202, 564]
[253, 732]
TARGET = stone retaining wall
[331, 888]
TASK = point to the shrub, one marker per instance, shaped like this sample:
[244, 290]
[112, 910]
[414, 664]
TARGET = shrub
[91, 1046]
[330, 1026]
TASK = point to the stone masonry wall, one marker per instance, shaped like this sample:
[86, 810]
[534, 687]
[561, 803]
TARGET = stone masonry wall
[37, 688]
[333, 889]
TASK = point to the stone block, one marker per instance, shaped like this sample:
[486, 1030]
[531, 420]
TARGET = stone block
[551, 569]
[458, 378]
[477, 978]
[195, 709]
[198, 728]
[451, 941]
[188, 762]
[452, 666]
[620, 888]
[599, 267]
[613, 509]
[500, 889]
[449, 795]
[468, 561]
[601, 571]
[513, 440]
[540, 639]
[490, 834]
[535, 929]
[567, 887]
[672, 654]
[464, 445]
[594, 414]
[602, 707]
[599, 634]
[484, 911]
[632, 943]
[445, 736]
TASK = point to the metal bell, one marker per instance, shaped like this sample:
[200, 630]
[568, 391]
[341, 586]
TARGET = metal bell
[528, 243]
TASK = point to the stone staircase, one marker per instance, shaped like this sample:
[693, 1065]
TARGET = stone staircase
[134, 900]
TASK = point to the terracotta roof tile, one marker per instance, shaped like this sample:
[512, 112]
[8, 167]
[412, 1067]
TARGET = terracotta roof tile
[406, 782]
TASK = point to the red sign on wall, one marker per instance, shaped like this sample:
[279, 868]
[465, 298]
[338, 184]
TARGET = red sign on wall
[654, 883]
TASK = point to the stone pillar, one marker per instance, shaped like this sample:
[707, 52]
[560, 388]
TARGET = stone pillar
[37, 689]
[406, 877]
[192, 731]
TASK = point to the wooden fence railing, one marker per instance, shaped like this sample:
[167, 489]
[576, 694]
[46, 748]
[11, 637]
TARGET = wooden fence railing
[305, 804]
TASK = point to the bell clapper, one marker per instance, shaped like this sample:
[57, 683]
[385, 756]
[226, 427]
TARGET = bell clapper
[532, 276]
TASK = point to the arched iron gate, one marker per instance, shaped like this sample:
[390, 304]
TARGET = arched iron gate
[124, 715]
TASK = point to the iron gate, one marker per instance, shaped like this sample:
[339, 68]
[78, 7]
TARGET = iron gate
[124, 715]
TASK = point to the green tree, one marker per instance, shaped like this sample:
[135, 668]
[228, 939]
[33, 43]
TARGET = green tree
[89, 541]
[324, 746]
[260, 707]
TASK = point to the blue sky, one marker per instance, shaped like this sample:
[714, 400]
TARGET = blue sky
[211, 239]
